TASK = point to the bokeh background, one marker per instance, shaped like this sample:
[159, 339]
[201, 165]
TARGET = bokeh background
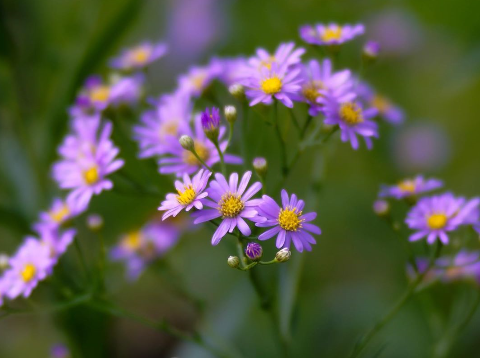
[430, 66]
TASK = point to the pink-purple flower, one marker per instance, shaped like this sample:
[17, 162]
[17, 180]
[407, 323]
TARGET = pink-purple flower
[197, 79]
[59, 213]
[331, 34]
[139, 56]
[231, 201]
[386, 109]
[289, 222]
[285, 56]
[410, 187]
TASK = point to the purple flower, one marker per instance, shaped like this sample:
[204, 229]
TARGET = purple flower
[278, 82]
[371, 49]
[410, 187]
[95, 96]
[127, 89]
[183, 161]
[59, 351]
[352, 119]
[331, 34]
[197, 79]
[190, 193]
[31, 264]
[139, 248]
[210, 120]
[286, 55]
[231, 202]
[386, 109]
[88, 157]
[60, 212]
[288, 222]
[434, 216]
[254, 251]
[57, 241]
[139, 56]
[464, 265]
[233, 70]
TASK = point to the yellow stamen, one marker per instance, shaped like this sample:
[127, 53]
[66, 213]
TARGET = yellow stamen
[187, 196]
[311, 90]
[100, 94]
[407, 185]
[133, 240]
[169, 128]
[140, 55]
[436, 221]
[351, 113]
[230, 205]
[271, 85]
[91, 175]
[198, 81]
[289, 219]
[202, 152]
[28, 272]
[381, 103]
[332, 33]
[59, 215]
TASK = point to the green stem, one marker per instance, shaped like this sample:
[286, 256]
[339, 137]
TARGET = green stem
[103, 254]
[243, 147]
[283, 147]
[230, 136]
[295, 121]
[81, 258]
[222, 161]
[194, 152]
[305, 126]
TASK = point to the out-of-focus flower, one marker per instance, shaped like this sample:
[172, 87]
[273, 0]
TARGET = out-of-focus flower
[331, 34]
[231, 202]
[57, 241]
[254, 251]
[59, 351]
[139, 56]
[197, 79]
[386, 109]
[139, 248]
[433, 217]
[371, 50]
[238, 91]
[210, 119]
[289, 222]
[463, 266]
[94, 222]
[285, 55]
[4, 286]
[88, 157]
[31, 264]
[381, 207]
[232, 70]
[230, 113]
[183, 161]
[410, 187]
[160, 128]
[280, 83]
[4, 258]
[190, 193]
[260, 165]
[126, 90]
[59, 213]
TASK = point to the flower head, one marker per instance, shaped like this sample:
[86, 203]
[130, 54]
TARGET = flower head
[286, 55]
[410, 187]
[139, 56]
[198, 79]
[371, 50]
[231, 202]
[60, 351]
[254, 251]
[331, 34]
[385, 108]
[210, 119]
[59, 213]
[94, 97]
[288, 221]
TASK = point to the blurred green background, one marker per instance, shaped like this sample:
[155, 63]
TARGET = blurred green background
[430, 67]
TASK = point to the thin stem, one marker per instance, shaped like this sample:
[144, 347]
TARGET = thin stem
[222, 161]
[283, 148]
[295, 121]
[102, 258]
[230, 136]
[305, 126]
[194, 152]
[81, 258]
[243, 147]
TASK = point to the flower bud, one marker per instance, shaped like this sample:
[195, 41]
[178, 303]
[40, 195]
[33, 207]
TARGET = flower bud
[381, 207]
[371, 51]
[233, 261]
[283, 255]
[4, 261]
[237, 91]
[187, 142]
[211, 123]
[230, 114]
[254, 251]
[260, 165]
[94, 222]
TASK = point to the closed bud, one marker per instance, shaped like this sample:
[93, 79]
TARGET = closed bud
[254, 251]
[230, 114]
[94, 222]
[210, 119]
[233, 261]
[187, 142]
[237, 91]
[283, 255]
[260, 165]
[381, 207]
[371, 51]
[3, 261]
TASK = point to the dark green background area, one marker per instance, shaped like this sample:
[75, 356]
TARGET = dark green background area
[357, 268]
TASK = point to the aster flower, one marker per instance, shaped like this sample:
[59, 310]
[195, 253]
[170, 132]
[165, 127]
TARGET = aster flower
[288, 221]
[433, 217]
[190, 193]
[139, 248]
[139, 56]
[31, 264]
[210, 120]
[465, 264]
[331, 34]
[57, 241]
[253, 251]
[160, 128]
[197, 79]
[410, 187]
[231, 70]
[371, 49]
[386, 109]
[286, 55]
[278, 82]
[126, 90]
[59, 351]
[88, 157]
[183, 161]
[95, 96]
[352, 119]
[59, 213]
[231, 202]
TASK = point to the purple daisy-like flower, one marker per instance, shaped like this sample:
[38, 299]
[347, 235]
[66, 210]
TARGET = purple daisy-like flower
[60, 212]
[139, 56]
[139, 248]
[254, 251]
[280, 83]
[210, 119]
[160, 128]
[233, 69]
[197, 79]
[386, 109]
[331, 34]
[95, 96]
[288, 221]
[231, 202]
[182, 161]
[88, 157]
[285, 55]
[126, 90]
[190, 193]
[31, 264]
[410, 187]
[465, 264]
[350, 116]
[371, 49]
[433, 217]
[57, 241]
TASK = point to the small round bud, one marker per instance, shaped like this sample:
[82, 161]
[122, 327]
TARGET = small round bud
[187, 142]
[371, 50]
[3, 261]
[381, 207]
[283, 255]
[237, 91]
[254, 251]
[230, 114]
[233, 261]
[94, 222]
[260, 165]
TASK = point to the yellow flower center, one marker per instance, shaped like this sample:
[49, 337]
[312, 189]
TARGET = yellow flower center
[59, 215]
[91, 175]
[28, 272]
[100, 94]
[187, 196]
[407, 185]
[202, 152]
[436, 221]
[381, 104]
[289, 219]
[271, 85]
[351, 113]
[169, 128]
[198, 81]
[133, 240]
[311, 90]
[140, 55]
[268, 63]
[230, 205]
[332, 33]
